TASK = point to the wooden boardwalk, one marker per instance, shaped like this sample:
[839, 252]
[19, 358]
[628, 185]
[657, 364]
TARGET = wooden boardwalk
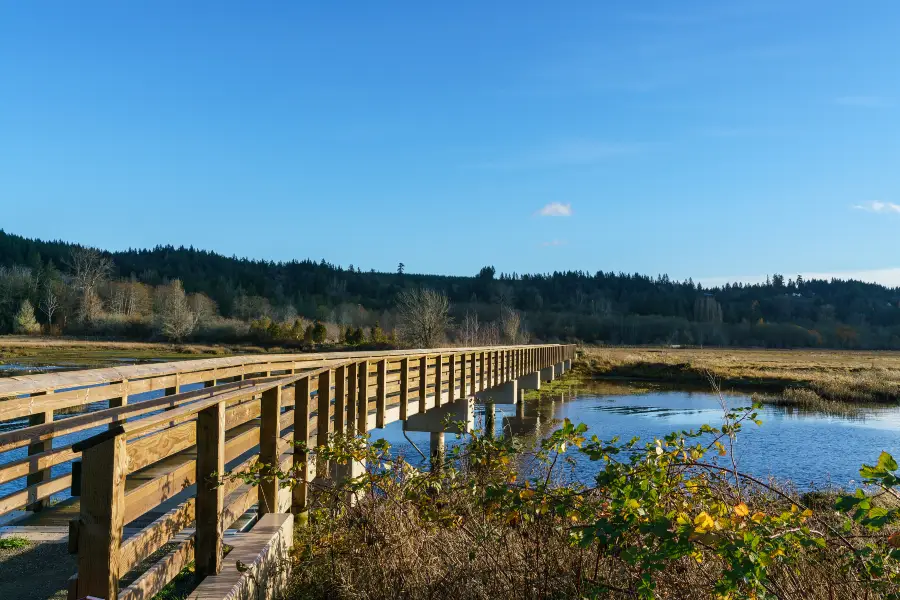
[134, 484]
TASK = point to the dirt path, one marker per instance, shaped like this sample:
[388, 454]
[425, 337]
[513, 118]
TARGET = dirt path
[38, 571]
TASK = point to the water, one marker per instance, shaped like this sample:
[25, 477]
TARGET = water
[805, 448]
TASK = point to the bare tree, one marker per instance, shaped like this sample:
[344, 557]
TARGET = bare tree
[423, 317]
[470, 331]
[174, 318]
[510, 325]
[49, 303]
[89, 269]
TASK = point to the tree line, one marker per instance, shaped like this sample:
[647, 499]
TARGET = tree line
[184, 293]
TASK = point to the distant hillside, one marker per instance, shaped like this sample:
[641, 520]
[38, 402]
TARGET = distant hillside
[564, 305]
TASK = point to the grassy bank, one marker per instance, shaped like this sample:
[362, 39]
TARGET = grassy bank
[802, 376]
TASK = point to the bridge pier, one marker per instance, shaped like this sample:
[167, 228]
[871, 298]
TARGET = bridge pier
[440, 419]
[505, 393]
[548, 374]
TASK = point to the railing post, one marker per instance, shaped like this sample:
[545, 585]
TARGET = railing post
[352, 396]
[210, 502]
[340, 402]
[101, 519]
[481, 372]
[404, 388]
[472, 376]
[362, 413]
[438, 375]
[269, 433]
[323, 427]
[423, 383]
[300, 493]
[381, 394]
[451, 379]
[42, 475]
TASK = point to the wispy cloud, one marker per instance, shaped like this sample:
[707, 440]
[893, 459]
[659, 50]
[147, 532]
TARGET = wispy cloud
[877, 206]
[554, 243]
[864, 101]
[569, 153]
[555, 209]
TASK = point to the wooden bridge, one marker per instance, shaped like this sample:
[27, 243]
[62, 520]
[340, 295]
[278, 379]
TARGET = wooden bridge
[135, 446]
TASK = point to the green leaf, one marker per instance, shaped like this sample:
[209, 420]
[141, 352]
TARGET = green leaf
[887, 462]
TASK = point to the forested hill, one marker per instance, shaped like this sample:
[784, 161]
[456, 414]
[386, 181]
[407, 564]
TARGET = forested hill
[571, 305]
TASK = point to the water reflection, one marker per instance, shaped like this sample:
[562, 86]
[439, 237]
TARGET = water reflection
[801, 446]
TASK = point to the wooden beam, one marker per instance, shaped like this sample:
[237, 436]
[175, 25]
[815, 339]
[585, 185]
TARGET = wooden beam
[481, 373]
[101, 519]
[210, 503]
[300, 493]
[40, 475]
[472, 380]
[269, 433]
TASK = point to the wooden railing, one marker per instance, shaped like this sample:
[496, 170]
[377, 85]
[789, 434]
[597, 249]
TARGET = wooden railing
[139, 472]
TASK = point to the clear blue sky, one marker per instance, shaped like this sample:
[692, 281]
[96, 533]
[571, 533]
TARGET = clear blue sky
[705, 139]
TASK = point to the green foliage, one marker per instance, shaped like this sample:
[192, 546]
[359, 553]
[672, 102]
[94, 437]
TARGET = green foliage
[656, 515]
[319, 333]
[12, 543]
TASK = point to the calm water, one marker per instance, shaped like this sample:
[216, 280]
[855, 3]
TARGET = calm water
[806, 448]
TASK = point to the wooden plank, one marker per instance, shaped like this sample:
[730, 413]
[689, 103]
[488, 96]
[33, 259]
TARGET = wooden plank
[270, 432]
[380, 393]
[473, 382]
[156, 577]
[210, 502]
[300, 493]
[451, 379]
[39, 491]
[404, 388]
[45, 460]
[101, 519]
[156, 535]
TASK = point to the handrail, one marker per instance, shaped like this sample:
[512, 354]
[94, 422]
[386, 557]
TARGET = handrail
[222, 425]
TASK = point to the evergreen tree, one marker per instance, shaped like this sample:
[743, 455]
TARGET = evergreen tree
[25, 322]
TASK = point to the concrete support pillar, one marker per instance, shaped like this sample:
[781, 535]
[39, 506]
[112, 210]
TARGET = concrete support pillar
[558, 369]
[567, 364]
[433, 420]
[342, 473]
[532, 381]
[505, 393]
[438, 450]
[548, 374]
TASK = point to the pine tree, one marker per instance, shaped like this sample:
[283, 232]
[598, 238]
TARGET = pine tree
[25, 323]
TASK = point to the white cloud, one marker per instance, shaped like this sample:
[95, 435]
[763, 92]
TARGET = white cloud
[554, 243]
[555, 209]
[877, 206]
[864, 101]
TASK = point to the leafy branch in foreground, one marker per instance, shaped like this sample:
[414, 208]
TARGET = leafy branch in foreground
[656, 520]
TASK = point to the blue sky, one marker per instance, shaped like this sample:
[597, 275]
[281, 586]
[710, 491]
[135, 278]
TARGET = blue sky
[713, 140]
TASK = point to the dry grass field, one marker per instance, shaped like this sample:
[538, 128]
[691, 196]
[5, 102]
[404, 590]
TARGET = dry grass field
[806, 375]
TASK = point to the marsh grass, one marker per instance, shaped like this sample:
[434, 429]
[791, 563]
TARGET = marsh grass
[834, 376]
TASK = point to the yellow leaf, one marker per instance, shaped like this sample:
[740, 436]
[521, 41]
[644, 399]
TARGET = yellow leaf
[703, 522]
[741, 510]
[758, 517]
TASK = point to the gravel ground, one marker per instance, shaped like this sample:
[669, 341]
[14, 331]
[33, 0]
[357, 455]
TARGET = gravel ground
[38, 571]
